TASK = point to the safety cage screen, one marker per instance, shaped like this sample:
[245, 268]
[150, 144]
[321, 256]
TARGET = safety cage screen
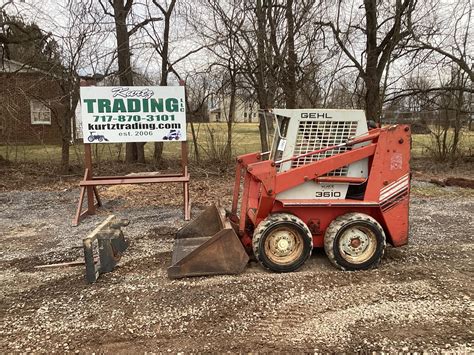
[315, 135]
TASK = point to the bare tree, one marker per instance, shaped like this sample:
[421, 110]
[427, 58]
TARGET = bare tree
[275, 45]
[384, 27]
[120, 11]
[198, 90]
[80, 38]
[163, 51]
[450, 35]
[227, 20]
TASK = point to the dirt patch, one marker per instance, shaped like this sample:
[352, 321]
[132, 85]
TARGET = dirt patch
[419, 299]
[452, 181]
[203, 192]
[426, 169]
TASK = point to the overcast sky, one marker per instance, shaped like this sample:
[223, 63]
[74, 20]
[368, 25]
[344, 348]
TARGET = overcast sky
[52, 17]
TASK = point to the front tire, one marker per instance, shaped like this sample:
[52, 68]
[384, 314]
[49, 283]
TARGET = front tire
[282, 242]
[354, 241]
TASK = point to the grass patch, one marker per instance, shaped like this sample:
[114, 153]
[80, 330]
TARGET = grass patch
[421, 144]
[245, 139]
[432, 190]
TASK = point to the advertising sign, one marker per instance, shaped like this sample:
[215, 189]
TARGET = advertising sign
[117, 114]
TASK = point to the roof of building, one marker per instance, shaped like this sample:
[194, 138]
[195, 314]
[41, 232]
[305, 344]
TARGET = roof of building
[12, 66]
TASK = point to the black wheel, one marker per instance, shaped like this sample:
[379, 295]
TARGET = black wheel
[90, 139]
[354, 241]
[282, 242]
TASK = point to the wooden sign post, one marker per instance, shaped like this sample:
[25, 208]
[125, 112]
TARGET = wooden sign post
[157, 121]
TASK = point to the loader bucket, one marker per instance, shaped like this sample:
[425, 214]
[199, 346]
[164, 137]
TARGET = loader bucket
[207, 246]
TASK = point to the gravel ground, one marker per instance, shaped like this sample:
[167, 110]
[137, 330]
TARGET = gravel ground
[419, 299]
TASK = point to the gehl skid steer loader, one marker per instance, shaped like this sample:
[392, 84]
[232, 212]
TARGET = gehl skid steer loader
[328, 181]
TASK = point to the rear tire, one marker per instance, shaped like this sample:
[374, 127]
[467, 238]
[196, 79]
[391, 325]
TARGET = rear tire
[354, 241]
[282, 242]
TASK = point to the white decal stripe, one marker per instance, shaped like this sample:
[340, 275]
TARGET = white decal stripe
[394, 191]
[393, 187]
[386, 188]
[386, 197]
[394, 197]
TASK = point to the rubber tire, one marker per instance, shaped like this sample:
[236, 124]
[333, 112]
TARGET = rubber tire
[336, 229]
[266, 226]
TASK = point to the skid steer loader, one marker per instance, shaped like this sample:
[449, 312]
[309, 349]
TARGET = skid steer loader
[328, 181]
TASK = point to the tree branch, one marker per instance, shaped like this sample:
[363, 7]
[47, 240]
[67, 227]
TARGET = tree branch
[143, 24]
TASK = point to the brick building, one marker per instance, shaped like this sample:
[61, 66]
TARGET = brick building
[31, 105]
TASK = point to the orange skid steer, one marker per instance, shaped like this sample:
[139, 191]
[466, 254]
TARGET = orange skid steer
[328, 182]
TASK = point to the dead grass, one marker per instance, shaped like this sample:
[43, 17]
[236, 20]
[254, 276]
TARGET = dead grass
[203, 192]
[430, 190]
[422, 142]
[245, 140]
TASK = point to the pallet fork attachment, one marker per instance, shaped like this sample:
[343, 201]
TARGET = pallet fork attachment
[110, 243]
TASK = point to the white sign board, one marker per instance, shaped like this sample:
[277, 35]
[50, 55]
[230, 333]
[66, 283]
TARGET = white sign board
[116, 114]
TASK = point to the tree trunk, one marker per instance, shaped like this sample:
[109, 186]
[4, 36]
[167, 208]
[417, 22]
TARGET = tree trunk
[73, 98]
[195, 143]
[372, 85]
[66, 138]
[231, 118]
[158, 153]
[290, 88]
[261, 89]
[140, 152]
[373, 100]
[65, 142]
[133, 151]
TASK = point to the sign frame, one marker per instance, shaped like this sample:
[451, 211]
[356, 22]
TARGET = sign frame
[129, 114]
[90, 182]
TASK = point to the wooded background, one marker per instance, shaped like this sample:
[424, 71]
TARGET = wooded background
[402, 61]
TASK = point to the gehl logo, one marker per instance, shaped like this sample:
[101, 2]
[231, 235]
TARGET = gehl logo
[315, 115]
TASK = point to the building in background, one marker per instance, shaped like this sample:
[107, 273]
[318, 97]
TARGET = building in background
[32, 105]
[246, 110]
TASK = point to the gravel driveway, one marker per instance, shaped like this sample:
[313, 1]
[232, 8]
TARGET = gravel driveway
[419, 299]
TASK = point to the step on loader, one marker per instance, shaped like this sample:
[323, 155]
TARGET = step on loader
[328, 182]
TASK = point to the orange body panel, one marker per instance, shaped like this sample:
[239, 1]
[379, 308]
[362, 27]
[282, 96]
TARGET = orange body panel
[386, 196]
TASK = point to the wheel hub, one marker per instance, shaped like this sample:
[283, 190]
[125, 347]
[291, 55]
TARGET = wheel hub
[283, 243]
[354, 242]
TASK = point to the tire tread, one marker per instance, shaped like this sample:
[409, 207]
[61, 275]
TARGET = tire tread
[267, 223]
[337, 224]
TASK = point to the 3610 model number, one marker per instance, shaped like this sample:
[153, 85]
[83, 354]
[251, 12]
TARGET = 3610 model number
[328, 194]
